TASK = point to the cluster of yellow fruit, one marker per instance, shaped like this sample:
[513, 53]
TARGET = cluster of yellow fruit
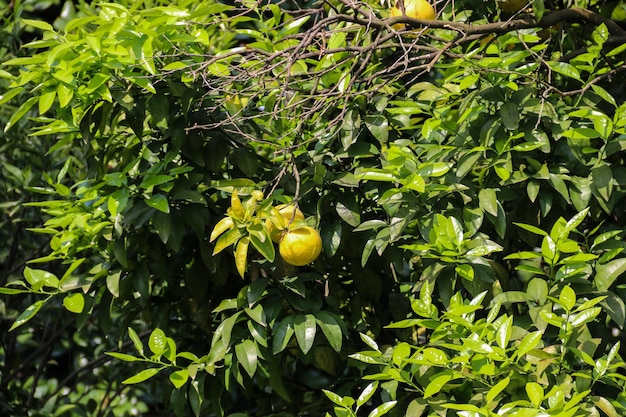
[298, 245]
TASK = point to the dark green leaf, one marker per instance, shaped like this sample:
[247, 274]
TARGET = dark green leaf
[330, 328]
[158, 202]
[305, 329]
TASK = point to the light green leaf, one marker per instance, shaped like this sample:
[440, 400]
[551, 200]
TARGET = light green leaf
[564, 68]
[382, 409]
[488, 201]
[38, 279]
[74, 303]
[123, 356]
[142, 376]
[497, 389]
[27, 314]
[529, 342]
[535, 393]
[585, 316]
[157, 342]
[367, 393]
[503, 333]
[179, 378]
[537, 290]
[369, 342]
[437, 384]
[567, 298]
[136, 340]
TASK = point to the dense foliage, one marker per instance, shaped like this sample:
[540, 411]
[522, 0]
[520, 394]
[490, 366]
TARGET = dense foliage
[467, 180]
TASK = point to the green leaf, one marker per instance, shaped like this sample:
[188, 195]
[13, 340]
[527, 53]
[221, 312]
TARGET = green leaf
[564, 68]
[510, 297]
[142, 376]
[497, 389]
[158, 202]
[305, 329]
[38, 279]
[488, 201]
[335, 398]
[602, 181]
[382, 409]
[123, 356]
[39, 24]
[529, 342]
[503, 333]
[196, 396]
[567, 298]
[433, 169]
[46, 99]
[74, 303]
[585, 316]
[246, 352]
[369, 342]
[179, 378]
[615, 308]
[537, 290]
[349, 210]
[367, 393]
[27, 314]
[20, 112]
[378, 126]
[437, 384]
[549, 250]
[606, 274]
[282, 334]
[510, 115]
[535, 393]
[136, 340]
[157, 342]
[227, 239]
[264, 246]
[154, 180]
[330, 328]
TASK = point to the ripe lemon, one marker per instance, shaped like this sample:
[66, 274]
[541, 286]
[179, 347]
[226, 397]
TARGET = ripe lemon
[287, 212]
[417, 9]
[300, 246]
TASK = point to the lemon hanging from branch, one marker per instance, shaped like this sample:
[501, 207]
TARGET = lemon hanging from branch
[300, 246]
[416, 9]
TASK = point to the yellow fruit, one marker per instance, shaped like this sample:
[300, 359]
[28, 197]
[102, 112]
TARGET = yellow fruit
[417, 9]
[300, 246]
[287, 212]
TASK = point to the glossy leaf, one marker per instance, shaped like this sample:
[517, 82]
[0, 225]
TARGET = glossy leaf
[305, 327]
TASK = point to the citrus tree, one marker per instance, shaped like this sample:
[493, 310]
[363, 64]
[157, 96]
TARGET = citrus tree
[299, 208]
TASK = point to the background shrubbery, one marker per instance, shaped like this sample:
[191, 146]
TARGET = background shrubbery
[467, 181]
